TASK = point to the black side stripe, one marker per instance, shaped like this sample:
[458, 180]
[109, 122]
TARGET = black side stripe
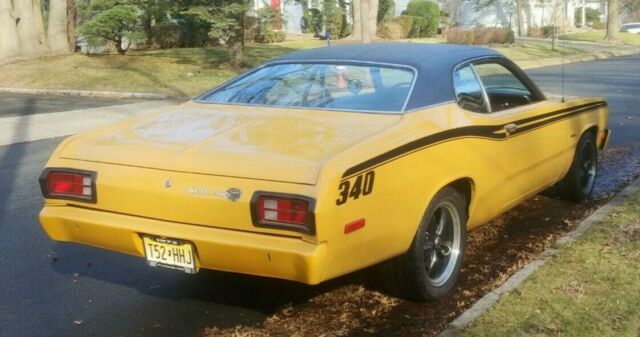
[492, 132]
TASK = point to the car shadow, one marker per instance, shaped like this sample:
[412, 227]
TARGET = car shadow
[227, 293]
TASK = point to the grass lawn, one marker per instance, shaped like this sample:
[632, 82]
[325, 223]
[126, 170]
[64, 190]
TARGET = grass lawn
[527, 51]
[177, 72]
[182, 72]
[597, 36]
[591, 289]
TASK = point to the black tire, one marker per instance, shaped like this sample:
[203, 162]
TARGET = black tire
[578, 184]
[415, 275]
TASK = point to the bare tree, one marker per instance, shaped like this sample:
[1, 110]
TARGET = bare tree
[453, 8]
[633, 8]
[9, 46]
[28, 19]
[22, 30]
[613, 21]
[365, 15]
[57, 30]
[72, 24]
[356, 30]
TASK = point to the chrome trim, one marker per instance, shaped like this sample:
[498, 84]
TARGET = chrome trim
[536, 92]
[199, 98]
[482, 87]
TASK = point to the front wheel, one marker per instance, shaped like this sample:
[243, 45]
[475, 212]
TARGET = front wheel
[579, 182]
[430, 268]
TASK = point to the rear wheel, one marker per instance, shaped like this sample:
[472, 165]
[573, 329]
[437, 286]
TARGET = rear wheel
[431, 266]
[579, 182]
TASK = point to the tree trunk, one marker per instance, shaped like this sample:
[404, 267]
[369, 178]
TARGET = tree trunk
[72, 21]
[121, 50]
[29, 27]
[236, 42]
[365, 36]
[356, 31]
[613, 21]
[9, 46]
[519, 18]
[373, 18]
[57, 31]
[38, 20]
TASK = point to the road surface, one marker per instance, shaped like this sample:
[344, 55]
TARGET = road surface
[57, 289]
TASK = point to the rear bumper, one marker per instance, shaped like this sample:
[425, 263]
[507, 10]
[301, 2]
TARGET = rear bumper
[218, 249]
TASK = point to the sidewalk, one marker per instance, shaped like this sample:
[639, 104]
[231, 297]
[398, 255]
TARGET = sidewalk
[58, 124]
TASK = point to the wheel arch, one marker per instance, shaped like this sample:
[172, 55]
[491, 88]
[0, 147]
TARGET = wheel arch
[465, 185]
[595, 130]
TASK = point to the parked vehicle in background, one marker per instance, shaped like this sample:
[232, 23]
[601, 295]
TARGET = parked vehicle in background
[633, 27]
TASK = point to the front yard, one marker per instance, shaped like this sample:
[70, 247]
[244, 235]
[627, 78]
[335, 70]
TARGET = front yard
[597, 36]
[591, 289]
[189, 71]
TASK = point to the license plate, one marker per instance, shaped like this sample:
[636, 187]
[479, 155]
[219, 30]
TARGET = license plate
[169, 253]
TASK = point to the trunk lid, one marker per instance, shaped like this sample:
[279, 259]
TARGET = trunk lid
[276, 144]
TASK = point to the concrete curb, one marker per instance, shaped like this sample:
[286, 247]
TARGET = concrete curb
[85, 93]
[457, 326]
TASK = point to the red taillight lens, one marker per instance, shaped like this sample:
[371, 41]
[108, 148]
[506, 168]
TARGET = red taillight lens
[68, 185]
[280, 211]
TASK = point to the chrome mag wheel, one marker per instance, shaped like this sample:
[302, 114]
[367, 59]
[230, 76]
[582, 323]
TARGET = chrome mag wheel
[442, 243]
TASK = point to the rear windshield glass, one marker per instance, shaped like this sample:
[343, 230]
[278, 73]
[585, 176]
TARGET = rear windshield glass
[370, 88]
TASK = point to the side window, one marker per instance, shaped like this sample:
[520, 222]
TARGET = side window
[504, 89]
[469, 93]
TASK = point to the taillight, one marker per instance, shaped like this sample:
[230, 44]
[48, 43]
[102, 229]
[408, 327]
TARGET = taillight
[283, 211]
[68, 184]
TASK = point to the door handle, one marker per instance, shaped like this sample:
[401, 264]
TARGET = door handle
[510, 128]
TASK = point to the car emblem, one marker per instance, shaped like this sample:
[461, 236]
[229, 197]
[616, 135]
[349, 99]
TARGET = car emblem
[168, 183]
[231, 194]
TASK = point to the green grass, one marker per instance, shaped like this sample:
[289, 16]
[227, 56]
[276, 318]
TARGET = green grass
[527, 51]
[591, 289]
[177, 72]
[188, 71]
[597, 36]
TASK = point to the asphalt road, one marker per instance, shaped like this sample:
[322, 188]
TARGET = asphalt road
[22, 105]
[616, 79]
[58, 289]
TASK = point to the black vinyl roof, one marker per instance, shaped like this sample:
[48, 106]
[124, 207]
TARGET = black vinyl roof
[433, 62]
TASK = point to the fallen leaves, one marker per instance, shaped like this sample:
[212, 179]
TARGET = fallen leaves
[494, 253]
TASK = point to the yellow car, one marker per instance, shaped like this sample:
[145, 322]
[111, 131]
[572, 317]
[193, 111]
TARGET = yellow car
[326, 161]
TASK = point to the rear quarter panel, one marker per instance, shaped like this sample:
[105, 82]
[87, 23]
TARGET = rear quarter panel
[404, 186]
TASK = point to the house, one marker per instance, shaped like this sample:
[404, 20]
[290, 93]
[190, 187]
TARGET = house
[503, 13]
[292, 12]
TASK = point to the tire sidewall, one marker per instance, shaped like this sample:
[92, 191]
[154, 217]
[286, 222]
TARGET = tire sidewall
[581, 194]
[426, 288]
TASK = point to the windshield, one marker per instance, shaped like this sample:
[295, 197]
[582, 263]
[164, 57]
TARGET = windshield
[370, 88]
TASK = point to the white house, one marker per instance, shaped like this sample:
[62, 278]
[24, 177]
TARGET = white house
[292, 11]
[502, 13]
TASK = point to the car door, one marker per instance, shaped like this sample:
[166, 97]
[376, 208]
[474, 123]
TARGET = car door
[520, 159]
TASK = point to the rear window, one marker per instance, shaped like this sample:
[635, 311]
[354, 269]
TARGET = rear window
[370, 88]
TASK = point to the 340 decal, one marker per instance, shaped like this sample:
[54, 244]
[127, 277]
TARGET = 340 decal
[361, 186]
